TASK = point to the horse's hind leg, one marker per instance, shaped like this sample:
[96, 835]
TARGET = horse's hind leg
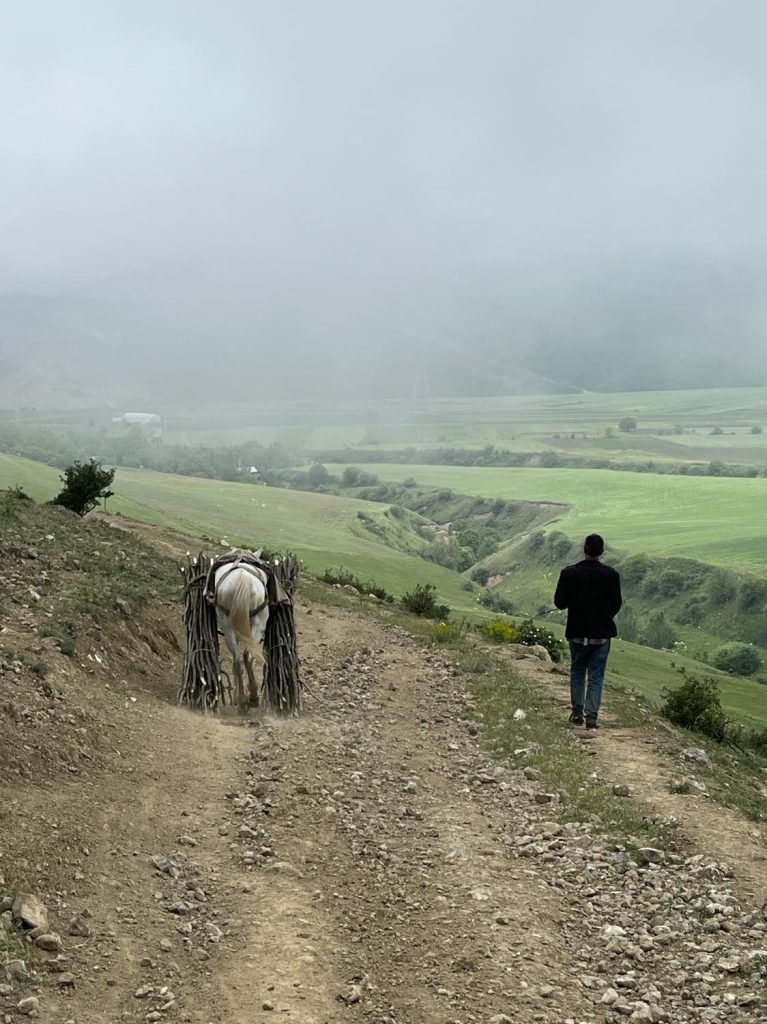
[252, 684]
[240, 695]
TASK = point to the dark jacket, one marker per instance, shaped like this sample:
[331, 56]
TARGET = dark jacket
[591, 592]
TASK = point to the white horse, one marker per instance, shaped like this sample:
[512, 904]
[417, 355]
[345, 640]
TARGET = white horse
[242, 610]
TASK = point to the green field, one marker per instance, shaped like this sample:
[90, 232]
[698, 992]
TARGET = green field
[672, 425]
[324, 530]
[714, 519]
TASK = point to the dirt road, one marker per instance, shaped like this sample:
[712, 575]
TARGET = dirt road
[366, 862]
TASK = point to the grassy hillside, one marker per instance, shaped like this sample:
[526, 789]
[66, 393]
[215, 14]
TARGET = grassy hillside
[324, 530]
[713, 519]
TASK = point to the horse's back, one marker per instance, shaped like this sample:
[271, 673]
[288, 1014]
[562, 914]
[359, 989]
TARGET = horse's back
[240, 593]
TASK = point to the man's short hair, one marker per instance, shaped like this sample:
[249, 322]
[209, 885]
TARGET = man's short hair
[593, 546]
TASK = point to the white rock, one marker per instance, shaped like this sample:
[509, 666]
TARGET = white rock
[30, 911]
[649, 855]
[697, 755]
[49, 941]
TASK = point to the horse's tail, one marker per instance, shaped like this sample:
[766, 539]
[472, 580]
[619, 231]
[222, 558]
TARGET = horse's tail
[240, 598]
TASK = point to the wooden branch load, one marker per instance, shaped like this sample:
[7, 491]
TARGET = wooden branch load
[204, 686]
[282, 680]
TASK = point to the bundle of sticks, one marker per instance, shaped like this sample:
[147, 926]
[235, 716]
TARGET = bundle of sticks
[203, 685]
[282, 678]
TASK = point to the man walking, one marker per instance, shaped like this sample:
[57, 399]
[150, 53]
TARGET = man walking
[591, 592]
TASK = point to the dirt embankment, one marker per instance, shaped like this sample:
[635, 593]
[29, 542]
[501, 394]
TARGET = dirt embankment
[367, 862]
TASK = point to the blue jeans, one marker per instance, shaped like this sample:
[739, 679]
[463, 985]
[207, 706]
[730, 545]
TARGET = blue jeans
[591, 658]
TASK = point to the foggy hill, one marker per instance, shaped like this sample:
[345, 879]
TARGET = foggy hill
[175, 333]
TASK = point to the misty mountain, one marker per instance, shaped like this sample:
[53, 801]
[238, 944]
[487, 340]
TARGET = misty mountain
[174, 335]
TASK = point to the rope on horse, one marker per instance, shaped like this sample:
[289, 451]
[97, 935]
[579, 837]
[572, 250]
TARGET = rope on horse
[203, 685]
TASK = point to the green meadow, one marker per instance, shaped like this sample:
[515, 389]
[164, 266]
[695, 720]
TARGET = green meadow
[672, 425]
[721, 520]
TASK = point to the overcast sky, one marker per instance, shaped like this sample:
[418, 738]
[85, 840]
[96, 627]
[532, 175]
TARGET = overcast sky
[336, 158]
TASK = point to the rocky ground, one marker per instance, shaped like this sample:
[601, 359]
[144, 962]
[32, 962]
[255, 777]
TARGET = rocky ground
[367, 862]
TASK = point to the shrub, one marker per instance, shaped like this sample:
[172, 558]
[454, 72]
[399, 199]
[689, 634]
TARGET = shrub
[481, 575]
[423, 601]
[366, 479]
[717, 430]
[755, 429]
[627, 424]
[10, 501]
[450, 555]
[691, 613]
[635, 568]
[448, 632]
[657, 632]
[85, 483]
[344, 578]
[755, 739]
[671, 582]
[490, 599]
[536, 541]
[722, 587]
[738, 659]
[752, 593]
[350, 476]
[628, 625]
[317, 476]
[696, 705]
[551, 459]
[558, 546]
[501, 632]
[410, 482]
[531, 634]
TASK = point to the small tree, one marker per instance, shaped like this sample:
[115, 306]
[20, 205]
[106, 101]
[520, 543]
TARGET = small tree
[739, 659]
[627, 424]
[657, 632]
[350, 476]
[722, 586]
[85, 483]
[696, 705]
[318, 475]
[752, 593]
[423, 601]
[756, 429]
